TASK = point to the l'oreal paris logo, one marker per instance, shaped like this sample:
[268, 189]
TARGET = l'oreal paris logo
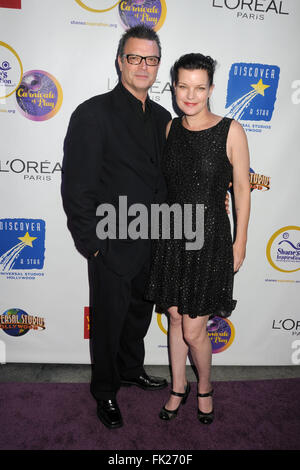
[253, 9]
[288, 324]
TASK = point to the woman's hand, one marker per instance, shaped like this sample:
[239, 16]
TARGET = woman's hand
[239, 253]
[239, 157]
[227, 200]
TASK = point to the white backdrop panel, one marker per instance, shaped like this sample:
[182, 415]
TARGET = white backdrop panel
[78, 48]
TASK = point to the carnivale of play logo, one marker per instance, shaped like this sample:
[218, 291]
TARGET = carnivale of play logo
[220, 331]
[151, 13]
[39, 96]
[22, 247]
[251, 92]
[283, 249]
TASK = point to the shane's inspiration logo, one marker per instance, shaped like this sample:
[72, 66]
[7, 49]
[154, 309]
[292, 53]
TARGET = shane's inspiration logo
[283, 249]
[251, 91]
[11, 70]
[22, 245]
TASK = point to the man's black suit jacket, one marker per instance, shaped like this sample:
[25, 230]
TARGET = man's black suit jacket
[104, 158]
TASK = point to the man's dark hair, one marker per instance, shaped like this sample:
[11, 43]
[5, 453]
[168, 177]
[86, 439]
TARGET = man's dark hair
[139, 32]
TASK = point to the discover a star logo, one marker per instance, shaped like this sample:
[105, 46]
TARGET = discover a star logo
[251, 91]
[22, 245]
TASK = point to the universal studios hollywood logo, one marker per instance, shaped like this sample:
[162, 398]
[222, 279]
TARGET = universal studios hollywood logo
[16, 322]
[177, 221]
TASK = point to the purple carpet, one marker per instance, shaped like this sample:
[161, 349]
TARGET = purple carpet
[250, 415]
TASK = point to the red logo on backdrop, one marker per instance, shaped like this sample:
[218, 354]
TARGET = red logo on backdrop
[86, 323]
[10, 4]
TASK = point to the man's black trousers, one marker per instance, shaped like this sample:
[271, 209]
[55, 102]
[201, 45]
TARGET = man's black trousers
[119, 321]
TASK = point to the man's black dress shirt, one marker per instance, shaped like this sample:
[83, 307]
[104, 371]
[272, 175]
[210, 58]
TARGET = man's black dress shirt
[145, 124]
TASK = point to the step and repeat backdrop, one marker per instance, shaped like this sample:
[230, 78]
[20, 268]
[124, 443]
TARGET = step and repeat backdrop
[54, 54]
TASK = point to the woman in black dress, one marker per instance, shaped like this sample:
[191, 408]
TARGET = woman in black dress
[203, 154]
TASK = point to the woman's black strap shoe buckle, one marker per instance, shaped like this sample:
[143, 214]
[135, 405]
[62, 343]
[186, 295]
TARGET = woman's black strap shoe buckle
[167, 415]
[205, 418]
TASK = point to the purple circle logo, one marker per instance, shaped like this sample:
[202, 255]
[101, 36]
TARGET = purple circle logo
[151, 13]
[221, 333]
[39, 95]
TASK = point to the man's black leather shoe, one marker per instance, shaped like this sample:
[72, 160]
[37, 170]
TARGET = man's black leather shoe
[109, 413]
[146, 382]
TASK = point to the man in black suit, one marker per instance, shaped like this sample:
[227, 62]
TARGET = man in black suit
[113, 148]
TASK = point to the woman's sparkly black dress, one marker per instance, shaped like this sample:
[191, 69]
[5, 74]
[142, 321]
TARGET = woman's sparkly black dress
[197, 171]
